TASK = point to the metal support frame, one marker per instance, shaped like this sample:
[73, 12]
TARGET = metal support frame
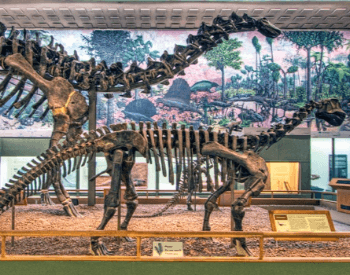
[92, 164]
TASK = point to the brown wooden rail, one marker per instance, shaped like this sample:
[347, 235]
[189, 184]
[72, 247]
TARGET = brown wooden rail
[272, 192]
[165, 234]
[312, 192]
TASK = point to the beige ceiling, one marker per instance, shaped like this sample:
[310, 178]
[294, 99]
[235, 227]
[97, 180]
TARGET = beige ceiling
[127, 15]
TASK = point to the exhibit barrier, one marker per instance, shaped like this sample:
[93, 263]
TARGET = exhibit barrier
[155, 192]
[166, 234]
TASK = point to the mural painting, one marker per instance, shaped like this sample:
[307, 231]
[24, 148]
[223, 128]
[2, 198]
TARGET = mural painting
[253, 80]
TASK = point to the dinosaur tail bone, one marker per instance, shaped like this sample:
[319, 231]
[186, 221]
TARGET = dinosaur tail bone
[32, 176]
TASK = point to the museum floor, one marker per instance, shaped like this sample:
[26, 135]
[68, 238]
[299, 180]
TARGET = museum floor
[37, 217]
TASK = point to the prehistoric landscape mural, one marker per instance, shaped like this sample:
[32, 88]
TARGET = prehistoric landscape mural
[251, 79]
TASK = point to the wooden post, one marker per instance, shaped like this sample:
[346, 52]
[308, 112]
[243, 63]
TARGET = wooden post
[3, 246]
[13, 222]
[261, 248]
[92, 164]
[138, 247]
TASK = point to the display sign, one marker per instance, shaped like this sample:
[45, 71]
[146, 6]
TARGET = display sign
[340, 166]
[302, 221]
[168, 249]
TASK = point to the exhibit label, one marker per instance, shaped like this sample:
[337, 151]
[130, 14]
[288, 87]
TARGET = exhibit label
[302, 221]
[168, 249]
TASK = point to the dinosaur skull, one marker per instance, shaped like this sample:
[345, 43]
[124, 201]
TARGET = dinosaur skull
[331, 112]
[267, 29]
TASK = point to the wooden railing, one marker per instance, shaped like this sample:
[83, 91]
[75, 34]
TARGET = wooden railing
[272, 192]
[312, 192]
[166, 234]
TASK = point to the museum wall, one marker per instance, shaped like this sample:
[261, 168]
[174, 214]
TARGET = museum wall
[321, 162]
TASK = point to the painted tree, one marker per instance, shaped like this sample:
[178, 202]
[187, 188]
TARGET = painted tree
[329, 41]
[247, 71]
[298, 61]
[265, 83]
[117, 46]
[269, 41]
[308, 40]
[225, 55]
[257, 47]
[337, 75]
[235, 81]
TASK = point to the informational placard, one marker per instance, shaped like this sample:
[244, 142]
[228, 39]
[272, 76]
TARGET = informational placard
[340, 166]
[168, 249]
[302, 221]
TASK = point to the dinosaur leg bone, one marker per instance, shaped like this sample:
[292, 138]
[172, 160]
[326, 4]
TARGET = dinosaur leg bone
[210, 204]
[130, 194]
[61, 125]
[253, 186]
[255, 166]
[189, 200]
[111, 202]
[44, 196]
[61, 195]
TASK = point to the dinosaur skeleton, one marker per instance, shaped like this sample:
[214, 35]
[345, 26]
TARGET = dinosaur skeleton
[58, 74]
[237, 156]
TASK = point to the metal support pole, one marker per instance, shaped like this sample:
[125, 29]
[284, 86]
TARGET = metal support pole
[195, 199]
[333, 161]
[119, 213]
[157, 182]
[77, 178]
[232, 187]
[92, 164]
[13, 222]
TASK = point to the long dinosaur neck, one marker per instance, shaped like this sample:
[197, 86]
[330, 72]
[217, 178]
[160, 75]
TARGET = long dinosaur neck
[49, 61]
[274, 134]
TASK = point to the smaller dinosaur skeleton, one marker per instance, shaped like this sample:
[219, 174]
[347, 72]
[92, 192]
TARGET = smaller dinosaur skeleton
[237, 156]
[183, 184]
[193, 184]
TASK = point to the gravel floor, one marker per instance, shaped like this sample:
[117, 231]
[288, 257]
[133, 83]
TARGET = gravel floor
[36, 217]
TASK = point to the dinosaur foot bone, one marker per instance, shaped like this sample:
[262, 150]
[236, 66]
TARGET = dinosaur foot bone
[70, 209]
[97, 248]
[45, 198]
[126, 239]
[241, 247]
[189, 207]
